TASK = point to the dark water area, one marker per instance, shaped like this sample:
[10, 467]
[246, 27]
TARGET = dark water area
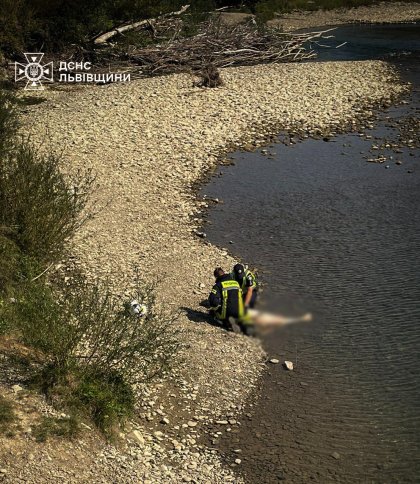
[336, 235]
[363, 42]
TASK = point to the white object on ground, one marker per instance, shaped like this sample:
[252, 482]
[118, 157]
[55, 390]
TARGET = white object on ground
[274, 361]
[137, 309]
[288, 365]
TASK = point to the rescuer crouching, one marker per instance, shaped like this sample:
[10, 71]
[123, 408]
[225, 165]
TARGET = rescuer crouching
[226, 301]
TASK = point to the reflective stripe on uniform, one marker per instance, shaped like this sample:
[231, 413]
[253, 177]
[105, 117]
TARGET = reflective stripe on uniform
[244, 287]
[226, 287]
[230, 285]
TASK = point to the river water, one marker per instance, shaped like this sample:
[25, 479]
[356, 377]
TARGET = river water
[339, 236]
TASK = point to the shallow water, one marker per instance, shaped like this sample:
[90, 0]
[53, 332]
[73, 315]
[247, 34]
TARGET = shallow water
[341, 237]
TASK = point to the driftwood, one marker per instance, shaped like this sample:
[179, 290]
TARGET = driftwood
[218, 45]
[102, 38]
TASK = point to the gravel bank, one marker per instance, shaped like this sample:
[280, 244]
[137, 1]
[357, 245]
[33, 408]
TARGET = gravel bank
[150, 142]
[383, 13]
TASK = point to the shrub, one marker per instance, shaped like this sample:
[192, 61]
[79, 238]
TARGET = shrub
[40, 208]
[45, 324]
[85, 325]
[9, 261]
[108, 398]
[7, 415]
[39, 205]
[8, 122]
[91, 349]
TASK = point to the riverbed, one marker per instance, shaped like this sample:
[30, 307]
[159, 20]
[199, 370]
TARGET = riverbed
[336, 234]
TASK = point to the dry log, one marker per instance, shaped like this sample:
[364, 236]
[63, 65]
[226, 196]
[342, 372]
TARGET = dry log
[102, 38]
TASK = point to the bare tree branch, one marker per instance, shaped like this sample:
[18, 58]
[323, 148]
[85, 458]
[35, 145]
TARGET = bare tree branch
[102, 38]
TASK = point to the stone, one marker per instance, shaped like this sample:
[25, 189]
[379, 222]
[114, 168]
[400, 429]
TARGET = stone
[165, 421]
[274, 361]
[238, 461]
[191, 423]
[288, 365]
[17, 388]
[336, 455]
[137, 436]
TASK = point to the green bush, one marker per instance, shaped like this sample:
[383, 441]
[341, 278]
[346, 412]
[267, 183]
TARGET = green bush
[90, 348]
[86, 326]
[40, 208]
[39, 205]
[107, 397]
[45, 324]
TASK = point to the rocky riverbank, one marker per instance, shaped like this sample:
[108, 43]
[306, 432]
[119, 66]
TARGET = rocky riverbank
[150, 142]
[382, 13]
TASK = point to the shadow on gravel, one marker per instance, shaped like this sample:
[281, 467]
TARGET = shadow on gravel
[199, 316]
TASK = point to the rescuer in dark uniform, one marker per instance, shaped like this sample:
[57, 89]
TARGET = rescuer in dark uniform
[225, 299]
[248, 283]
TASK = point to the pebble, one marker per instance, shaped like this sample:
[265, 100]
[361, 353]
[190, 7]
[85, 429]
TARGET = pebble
[274, 361]
[137, 436]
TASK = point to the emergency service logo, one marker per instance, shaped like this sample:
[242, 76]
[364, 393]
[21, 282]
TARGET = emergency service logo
[34, 72]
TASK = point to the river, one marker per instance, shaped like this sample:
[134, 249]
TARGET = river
[335, 234]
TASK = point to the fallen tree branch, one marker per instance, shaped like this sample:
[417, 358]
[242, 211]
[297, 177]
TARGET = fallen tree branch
[102, 38]
[218, 45]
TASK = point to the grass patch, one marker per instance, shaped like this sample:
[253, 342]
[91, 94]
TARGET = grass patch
[108, 399]
[58, 427]
[7, 415]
